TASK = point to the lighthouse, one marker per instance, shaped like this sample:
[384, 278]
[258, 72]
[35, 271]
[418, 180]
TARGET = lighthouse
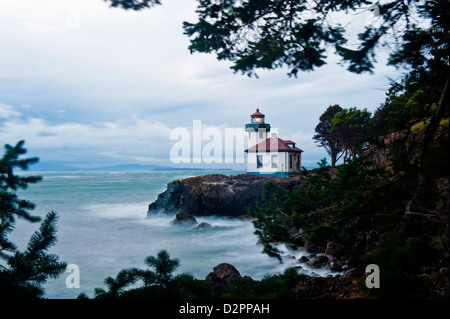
[257, 128]
[267, 154]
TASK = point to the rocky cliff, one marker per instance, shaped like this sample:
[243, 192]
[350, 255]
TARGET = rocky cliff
[215, 194]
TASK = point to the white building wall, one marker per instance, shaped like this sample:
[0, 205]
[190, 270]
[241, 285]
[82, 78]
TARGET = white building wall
[251, 162]
[281, 160]
[256, 137]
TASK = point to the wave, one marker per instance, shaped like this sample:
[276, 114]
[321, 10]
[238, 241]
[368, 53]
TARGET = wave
[122, 210]
[64, 176]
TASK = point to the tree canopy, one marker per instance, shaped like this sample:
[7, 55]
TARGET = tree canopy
[325, 137]
[350, 127]
[269, 34]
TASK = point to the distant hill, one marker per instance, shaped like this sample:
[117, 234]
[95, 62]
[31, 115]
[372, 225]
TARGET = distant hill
[53, 166]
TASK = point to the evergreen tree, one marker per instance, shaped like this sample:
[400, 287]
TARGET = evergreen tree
[10, 205]
[350, 127]
[325, 137]
[22, 274]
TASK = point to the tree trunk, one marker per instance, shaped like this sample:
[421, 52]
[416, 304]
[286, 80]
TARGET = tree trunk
[333, 156]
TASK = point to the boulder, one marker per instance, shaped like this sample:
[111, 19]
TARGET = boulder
[221, 278]
[303, 259]
[184, 218]
[335, 266]
[319, 261]
[227, 272]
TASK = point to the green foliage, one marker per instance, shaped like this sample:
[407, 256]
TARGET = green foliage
[426, 50]
[157, 282]
[401, 110]
[400, 263]
[268, 34]
[321, 234]
[302, 206]
[183, 286]
[116, 286]
[10, 205]
[325, 137]
[187, 286]
[28, 270]
[270, 219]
[24, 272]
[343, 132]
[270, 287]
[435, 162]
[261, 34]
[338, 204]
[351, 128]
[164, 267]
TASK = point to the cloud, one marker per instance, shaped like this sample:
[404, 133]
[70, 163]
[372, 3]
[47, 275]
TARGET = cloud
[7, 112]
[139, 139]
[92, 83]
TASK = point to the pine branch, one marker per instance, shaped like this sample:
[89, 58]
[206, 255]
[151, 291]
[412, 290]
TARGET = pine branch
[5, 244]
[43, 239]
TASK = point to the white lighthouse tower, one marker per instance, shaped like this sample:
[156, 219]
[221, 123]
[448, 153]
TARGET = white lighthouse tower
[267, 154]
[257, 129]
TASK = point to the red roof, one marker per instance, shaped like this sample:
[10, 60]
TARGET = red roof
[257, 114]
[277, 146]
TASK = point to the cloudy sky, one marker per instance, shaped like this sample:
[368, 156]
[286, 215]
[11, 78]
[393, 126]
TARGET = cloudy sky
[87, 85]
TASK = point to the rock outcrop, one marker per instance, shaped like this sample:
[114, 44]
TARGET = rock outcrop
[224, 275]
[184, 218]
[215, 194]
[222, 278]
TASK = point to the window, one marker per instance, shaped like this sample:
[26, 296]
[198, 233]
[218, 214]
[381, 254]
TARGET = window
[290, 161]
[298, 162]
[274, 160]
[259, 161]
[261, 134]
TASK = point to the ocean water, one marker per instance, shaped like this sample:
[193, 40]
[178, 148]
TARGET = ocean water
[103, 227]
